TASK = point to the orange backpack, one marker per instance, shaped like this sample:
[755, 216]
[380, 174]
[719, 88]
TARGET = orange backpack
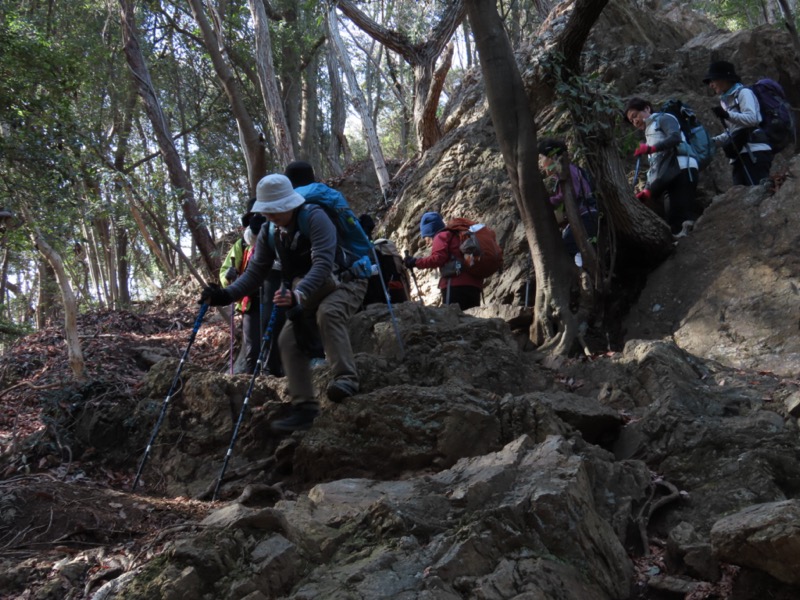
[483, 256]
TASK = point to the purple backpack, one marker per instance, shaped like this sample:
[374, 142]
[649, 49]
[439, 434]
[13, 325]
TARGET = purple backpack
[777, 120]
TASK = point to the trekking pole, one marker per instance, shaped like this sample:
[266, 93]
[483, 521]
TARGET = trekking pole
[389, 303]
[738, 154]
[636, 173]
[197, 322]
[416, 283]
[265, 344]
[233, 332]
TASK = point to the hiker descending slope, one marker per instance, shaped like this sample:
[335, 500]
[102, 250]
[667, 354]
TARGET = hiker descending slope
[551, 151]
[746, 146]
[323, 280]
[672, 176]
[249, 307]
[456, 284]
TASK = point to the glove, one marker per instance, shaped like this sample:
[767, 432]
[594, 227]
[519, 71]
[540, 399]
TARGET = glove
[410, 262]
[644, 195]
[231, 275]
[295, 313]
[644, 149]
[215, 295]
[721, 112]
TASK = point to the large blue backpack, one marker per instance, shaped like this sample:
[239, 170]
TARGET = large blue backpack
[777, 120]
[353, 245]
[699, 144]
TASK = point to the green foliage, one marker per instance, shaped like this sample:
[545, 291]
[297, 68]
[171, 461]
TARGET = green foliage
[735, 15]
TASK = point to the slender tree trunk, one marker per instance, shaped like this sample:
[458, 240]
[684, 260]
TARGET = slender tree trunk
[155, 248]
[94, 263]
[177, 175]
[309, 138]
[338, 148]
[250, 139]
[269, 87]
[790, 21]
[123, 266]
[54, 261]
[357, 98]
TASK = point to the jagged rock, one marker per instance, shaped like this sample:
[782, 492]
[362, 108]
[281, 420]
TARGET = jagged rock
[765, 537]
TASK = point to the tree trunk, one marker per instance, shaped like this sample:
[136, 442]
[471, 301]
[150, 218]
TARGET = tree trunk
[789, 20]
[177, 175]
[357, 98]
[309, 138]
[269, 88]
[94, 263]
[123, 266]
[250, 139]
[554, 326]
[338, 148]
[422, 57]
[54, 262]
[155, 248]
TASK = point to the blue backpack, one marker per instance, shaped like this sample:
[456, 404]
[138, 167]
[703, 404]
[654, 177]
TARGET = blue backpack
[699, 144]
[353, 245]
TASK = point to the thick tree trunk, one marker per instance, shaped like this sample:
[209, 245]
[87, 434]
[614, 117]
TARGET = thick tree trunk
[554, 326]
[357, 98]
[269, 87]
[789, 20]
[422, 57]
[177, 175]
[309, 138]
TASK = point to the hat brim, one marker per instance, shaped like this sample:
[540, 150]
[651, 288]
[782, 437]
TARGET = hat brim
[285, 204]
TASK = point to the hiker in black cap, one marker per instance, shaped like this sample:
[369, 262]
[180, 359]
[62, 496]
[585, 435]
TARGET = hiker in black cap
[743, 143]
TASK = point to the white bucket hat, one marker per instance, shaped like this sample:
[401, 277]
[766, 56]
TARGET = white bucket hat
[274, 194]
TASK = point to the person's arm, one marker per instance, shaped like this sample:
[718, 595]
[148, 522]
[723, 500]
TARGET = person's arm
[670, 132]
[258, 268]
[233, 259]
[745, 111]
[322, 233]
[440, 252]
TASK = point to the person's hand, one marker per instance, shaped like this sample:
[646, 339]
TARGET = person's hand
[721, 112]
[644, 195]
[644, 149]
[286, 298]
[231, 275]
[410, 261]
[214, 295]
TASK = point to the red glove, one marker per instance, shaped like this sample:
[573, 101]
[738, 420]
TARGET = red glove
[644, 149]
[644, 195]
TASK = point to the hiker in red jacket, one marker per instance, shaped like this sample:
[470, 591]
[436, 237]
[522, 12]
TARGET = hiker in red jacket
[457, 286]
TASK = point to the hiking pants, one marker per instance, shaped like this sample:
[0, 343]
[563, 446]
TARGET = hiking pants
[758, 170]
[333, 315]
[679, 199]
[466, 296]
[589, 220]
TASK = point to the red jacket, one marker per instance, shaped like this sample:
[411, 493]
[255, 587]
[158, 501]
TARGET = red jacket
[445, 246]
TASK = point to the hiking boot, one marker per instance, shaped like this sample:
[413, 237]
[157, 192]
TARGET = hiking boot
[686, 227]
[339, 389]
[300, 418]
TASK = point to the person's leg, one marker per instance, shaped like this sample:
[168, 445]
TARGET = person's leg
[679, 200]
[251, 338]
[333, 315]
[747, 171]
[466, 296]
[305, 407]
[272, 285]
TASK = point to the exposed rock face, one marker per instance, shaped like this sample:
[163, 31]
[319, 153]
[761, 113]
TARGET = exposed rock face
[730, 291]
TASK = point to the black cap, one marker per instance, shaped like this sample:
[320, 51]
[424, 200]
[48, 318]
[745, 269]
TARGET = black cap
[367, 224]
[722, 70]
[300, 173]
[551, 147]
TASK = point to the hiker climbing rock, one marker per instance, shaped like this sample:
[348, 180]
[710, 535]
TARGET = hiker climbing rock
[234, 264]
[672, 176]
[744, 143]
[457, 285]
[320, 267]
[392, 269]
[551, 151]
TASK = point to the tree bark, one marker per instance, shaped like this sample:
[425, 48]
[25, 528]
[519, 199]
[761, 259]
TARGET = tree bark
[74, 352]
[177, 175]
[554, 326]
[269, 88]
[789, 20]
[359, 102]
[422, 58]
[338, 148]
